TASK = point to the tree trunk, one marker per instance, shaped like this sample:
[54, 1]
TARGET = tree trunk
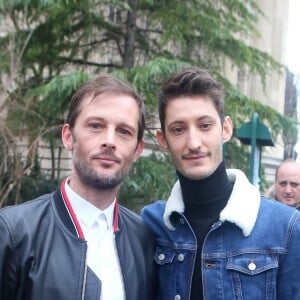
[128, 60]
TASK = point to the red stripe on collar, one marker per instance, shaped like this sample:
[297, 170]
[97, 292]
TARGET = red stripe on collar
[71, 210]
[73, 215]
[116, 218]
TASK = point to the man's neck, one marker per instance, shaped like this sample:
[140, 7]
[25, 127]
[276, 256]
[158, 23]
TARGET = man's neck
[101, 198]
[208, 195]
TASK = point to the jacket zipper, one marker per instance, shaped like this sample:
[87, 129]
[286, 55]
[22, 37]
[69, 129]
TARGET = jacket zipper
[213, 227]
[84, 275]
[194, 260]
[80, 232]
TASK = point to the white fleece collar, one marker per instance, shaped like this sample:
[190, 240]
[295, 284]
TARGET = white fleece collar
[241, 208]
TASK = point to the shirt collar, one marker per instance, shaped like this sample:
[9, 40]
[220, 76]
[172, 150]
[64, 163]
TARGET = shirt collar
[87, 212]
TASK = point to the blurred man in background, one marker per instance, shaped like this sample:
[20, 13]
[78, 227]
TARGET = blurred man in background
[287, 183]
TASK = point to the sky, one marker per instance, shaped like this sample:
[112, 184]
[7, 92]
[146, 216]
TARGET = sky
[293, 39]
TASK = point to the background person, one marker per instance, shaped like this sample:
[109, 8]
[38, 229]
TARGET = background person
[287, 183]
[216, 237]
[78, 243]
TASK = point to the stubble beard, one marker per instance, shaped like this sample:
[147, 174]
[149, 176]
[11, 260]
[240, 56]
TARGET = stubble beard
[99, 181]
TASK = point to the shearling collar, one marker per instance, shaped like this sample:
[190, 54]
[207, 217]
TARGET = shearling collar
[241, 208]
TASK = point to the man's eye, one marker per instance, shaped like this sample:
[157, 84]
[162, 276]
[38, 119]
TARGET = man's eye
[295, 184]
[95, 126]
[177, 130]
[124, 131]
[205, 126]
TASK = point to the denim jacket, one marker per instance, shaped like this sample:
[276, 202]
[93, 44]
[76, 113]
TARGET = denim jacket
[251, 252]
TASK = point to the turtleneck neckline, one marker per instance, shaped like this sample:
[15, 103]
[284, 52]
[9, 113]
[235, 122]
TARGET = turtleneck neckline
[206, 197]
[204, 200]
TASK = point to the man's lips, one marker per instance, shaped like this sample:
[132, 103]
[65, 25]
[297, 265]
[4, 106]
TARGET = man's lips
[107, 159]
[194, 156]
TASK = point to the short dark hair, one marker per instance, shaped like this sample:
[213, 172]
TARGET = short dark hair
[190, 81]
[110, 85]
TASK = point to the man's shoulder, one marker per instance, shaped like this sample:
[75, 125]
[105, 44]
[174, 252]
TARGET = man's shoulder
[20, 222]
[154, 212]
[156, 207]
[273, 212]
[271, 205]
[26, 210]
[133, 224]
[129, 216]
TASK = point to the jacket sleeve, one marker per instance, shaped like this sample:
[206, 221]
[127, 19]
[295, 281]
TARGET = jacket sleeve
[288, 286]
[8, 279]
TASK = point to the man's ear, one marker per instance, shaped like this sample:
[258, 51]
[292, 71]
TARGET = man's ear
[160, 137]
[139, 149]
[227, 129]
[67, 138]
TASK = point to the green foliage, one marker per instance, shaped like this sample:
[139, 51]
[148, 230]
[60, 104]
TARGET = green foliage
[41, 110]
[51, 46]
[241, 109]
[150, 179]
[56, 94]
[204, 32]
[147, 79]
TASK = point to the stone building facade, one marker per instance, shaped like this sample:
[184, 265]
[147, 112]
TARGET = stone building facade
[273, 40]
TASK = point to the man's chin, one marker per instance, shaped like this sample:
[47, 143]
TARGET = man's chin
[289, 202]
[197, 175]
[105, 183]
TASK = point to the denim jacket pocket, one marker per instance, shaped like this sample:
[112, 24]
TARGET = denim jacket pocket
[252, 264]
[253, 275]
[170, 271]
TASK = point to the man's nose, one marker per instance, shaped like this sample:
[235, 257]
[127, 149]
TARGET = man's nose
[108, 139]
[288, 188]
[194, 140]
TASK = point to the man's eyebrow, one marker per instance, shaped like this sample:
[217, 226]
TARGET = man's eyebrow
[128, 126]
[290, 182]
[177, 122]
[201, 118]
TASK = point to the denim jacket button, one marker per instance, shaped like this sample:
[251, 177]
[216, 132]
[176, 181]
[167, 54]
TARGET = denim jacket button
[161, 256]
[180, 257]
[181, 220]
[177, 297]
[252, 266]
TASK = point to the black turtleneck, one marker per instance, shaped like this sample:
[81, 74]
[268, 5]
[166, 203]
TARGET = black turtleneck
[204, 199]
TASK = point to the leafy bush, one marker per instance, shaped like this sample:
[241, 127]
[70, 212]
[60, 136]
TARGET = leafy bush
[150, 179]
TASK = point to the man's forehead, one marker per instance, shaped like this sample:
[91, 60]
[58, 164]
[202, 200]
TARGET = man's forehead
[292, 174]
[289, 167]
[182, 108]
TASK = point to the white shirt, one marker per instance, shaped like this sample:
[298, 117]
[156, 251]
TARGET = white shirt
[102, 257]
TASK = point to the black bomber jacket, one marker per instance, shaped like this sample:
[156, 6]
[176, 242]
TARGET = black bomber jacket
[43, 258]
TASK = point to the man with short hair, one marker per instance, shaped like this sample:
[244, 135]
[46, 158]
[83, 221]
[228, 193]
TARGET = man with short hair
[78, 243]
[216, 237]
[287, 183]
